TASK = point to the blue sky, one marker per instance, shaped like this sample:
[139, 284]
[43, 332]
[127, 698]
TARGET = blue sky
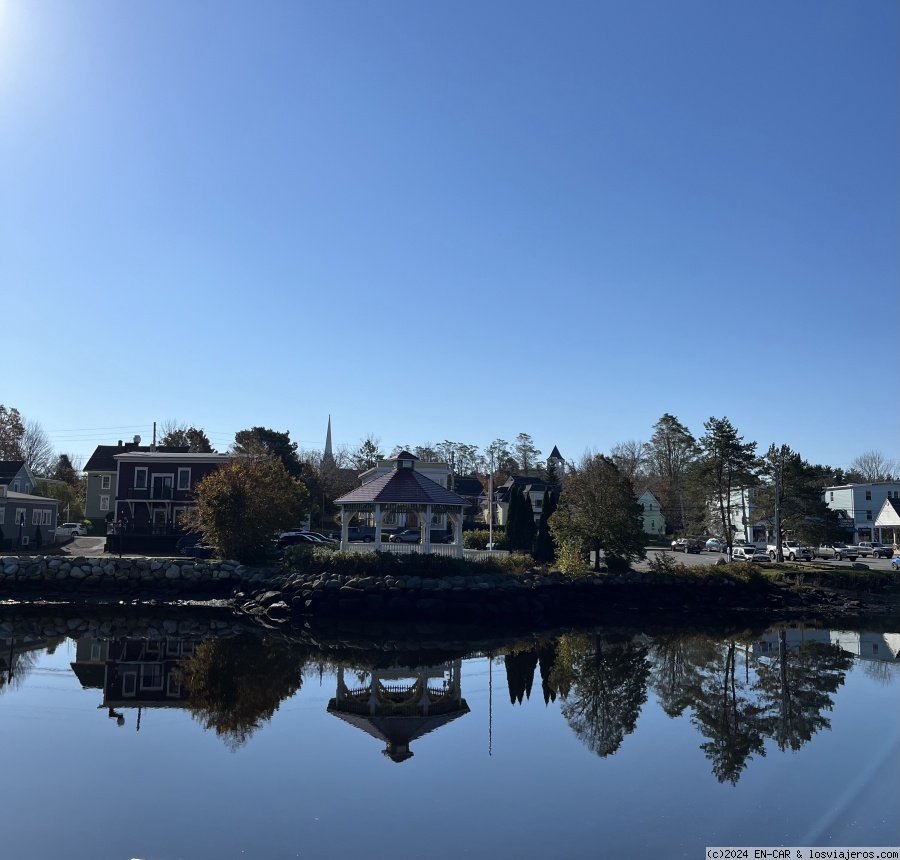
[452, 221]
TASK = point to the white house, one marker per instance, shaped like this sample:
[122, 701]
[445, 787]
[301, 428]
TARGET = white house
[859, 506]
[654, 522]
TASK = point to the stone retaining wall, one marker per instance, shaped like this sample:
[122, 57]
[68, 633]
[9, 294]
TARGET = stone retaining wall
[103, 575]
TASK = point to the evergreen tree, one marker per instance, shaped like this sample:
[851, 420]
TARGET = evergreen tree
[529, 529]
[512, 519]
[544, 545]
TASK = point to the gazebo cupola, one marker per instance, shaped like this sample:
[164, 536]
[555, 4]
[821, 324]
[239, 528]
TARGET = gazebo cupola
[405, 460]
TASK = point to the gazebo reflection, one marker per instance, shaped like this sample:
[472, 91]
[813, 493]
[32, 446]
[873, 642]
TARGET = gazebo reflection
[400, 705]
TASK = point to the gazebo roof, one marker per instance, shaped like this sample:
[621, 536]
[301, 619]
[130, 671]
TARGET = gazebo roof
[398, 732]
[404, 487]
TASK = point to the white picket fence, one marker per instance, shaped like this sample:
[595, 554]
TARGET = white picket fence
[449, 550]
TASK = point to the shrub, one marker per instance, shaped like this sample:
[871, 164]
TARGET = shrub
[571, 560]
[479, 539]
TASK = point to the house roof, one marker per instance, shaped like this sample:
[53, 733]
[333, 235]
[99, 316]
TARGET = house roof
[889, 515]
[402, 486]
[102, 458]
[9, 469]
[28, 497]
[468, 486]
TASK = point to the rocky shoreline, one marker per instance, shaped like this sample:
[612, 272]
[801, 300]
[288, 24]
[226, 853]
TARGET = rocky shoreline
[536, 597]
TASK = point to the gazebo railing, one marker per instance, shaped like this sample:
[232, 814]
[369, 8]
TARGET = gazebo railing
[448, 550]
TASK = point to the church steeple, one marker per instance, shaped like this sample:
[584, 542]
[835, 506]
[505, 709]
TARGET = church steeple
[328, 458]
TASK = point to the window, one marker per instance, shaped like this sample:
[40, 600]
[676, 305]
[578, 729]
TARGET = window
[140, 478]
[173, 688]
[832, 496]
[2, 515]
[390, 519]
[104, 503]
[868, 495]
[868, 515]
[46, 516]
[151, 676]
[537, 504]
[129, 683]
[95, 651]
[20, 516]
[16, 486]
[184, 479]
[874, 647]
[105, 482]
[36, 517]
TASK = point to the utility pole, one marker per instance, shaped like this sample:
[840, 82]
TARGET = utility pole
[779, 555]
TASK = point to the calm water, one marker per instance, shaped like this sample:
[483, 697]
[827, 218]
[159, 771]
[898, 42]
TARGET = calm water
[603, 743]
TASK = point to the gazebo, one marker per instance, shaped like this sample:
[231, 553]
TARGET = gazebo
[404, 490]
[399, 705]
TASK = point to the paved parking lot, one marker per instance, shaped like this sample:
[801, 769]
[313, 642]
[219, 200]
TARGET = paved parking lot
[712, 557]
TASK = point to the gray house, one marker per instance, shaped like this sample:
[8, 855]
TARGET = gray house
[16, 476]
[22, 517]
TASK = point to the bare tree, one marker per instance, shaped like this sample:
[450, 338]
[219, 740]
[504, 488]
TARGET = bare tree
[630, 457]
[37, 449]
[873, 466]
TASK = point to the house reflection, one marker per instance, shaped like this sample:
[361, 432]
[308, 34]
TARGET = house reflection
[132, 673]
[400, 705]
[880, 647]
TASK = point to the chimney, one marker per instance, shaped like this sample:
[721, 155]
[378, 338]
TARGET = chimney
[120, 443]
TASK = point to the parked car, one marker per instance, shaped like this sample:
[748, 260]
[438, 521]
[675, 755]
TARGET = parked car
[366, 534]
[315, 535]
[837, 551]
[749, 553]
[185, 545]
[71, 530]
[287, 540]
[790, 551]
[895, 562]
[716, 545]
[876, 550]
[685, 545]
[415, 536]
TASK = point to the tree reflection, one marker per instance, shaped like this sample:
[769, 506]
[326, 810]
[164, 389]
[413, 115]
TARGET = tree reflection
[796, 686]
[237, 684]
[603, 685]
[520, 668]
[725, 713]
[675, 671]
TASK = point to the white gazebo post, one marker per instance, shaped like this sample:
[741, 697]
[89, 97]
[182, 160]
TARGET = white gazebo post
[378, 515]
[345, 522]
[457, 519]
[426, 529]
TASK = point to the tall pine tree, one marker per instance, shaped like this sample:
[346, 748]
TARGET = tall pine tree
[544, 546]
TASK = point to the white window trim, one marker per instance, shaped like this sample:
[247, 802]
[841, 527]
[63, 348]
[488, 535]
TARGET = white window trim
[151, 686]
[104, 503]
[141, 470]
[105, 482]
[35, 516]
[182, 471]
[46, 518]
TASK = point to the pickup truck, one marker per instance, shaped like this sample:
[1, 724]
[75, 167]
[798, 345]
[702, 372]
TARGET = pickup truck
[837, 551]
[876, 550]
[791, 551]
[366, 534]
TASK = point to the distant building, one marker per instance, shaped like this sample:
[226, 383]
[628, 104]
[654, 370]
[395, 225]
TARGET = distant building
[858, 506]
[654, 522]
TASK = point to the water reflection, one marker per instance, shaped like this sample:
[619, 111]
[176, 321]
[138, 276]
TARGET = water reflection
[743, 694]
[399, 705]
